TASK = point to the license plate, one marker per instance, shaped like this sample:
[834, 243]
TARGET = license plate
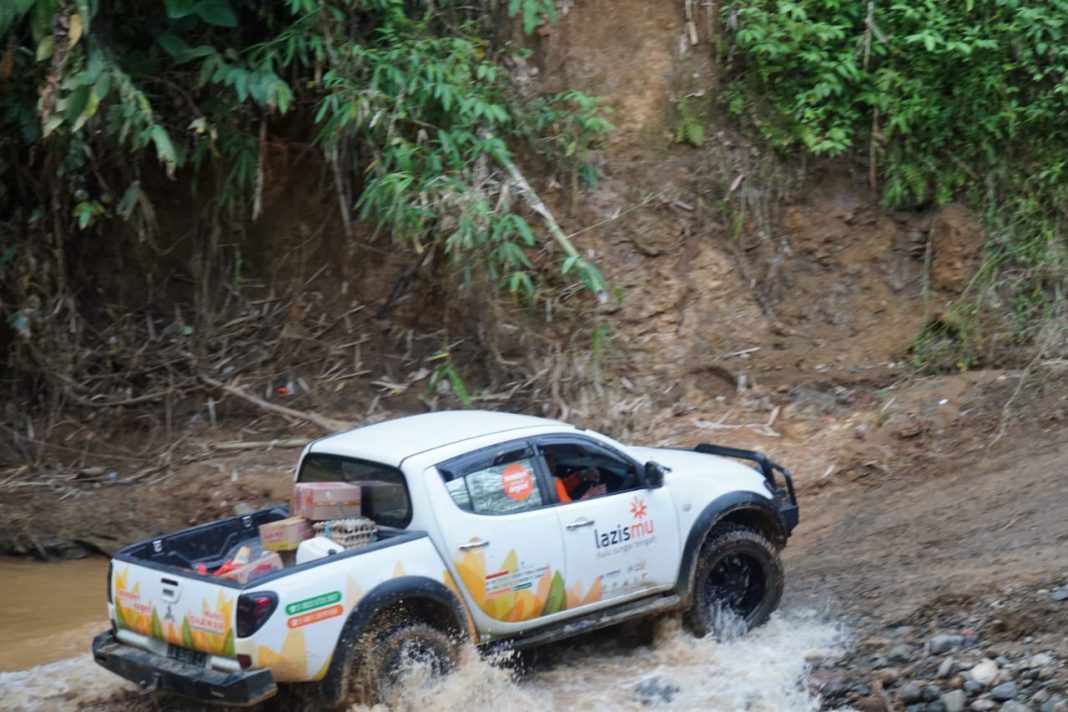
[185, 655]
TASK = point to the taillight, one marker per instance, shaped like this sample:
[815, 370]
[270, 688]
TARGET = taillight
[253, 610]
[245, 661]
[111, 564]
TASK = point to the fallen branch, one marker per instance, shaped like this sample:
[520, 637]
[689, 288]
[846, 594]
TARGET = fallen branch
[535, 203]
[743, 352]
[328, 424]
[260, 444]
[761, 428]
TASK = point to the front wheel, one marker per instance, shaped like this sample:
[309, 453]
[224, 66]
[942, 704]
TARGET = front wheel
[737, 584]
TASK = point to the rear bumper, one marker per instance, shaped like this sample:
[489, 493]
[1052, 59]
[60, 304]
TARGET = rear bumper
[152, 671]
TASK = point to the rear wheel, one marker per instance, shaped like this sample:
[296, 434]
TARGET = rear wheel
[416, 650]
[374, 666]
[737, 584]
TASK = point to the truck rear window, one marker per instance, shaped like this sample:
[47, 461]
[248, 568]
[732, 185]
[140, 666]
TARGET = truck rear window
[384, 496]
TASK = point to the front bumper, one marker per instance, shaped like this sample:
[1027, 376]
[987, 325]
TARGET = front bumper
[788, 513]
[152, 671]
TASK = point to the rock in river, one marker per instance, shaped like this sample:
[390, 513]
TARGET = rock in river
[1005, 691]
[985, 671]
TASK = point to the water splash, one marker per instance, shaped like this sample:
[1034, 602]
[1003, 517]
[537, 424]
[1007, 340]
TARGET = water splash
[760, 672]
[62, 686]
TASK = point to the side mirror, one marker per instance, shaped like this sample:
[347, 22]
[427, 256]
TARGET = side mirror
[654, 475]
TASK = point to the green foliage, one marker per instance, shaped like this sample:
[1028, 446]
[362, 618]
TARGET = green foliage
[566, 128]
[532, 12]
[950, 88]
[407, 100]
[444, 370]
[691, 124]
[963, 100]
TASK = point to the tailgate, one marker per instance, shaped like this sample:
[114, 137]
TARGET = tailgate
[189, 611]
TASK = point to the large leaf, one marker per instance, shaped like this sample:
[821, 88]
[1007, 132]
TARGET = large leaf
[172, 44]
[164, 147]
[181, 52]
[216, 12]
[11, 11]
[45, 48]
[74, 32]
[92, 103]
[177, 9]
[126, 206]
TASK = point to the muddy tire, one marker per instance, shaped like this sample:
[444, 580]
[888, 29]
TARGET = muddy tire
[400, 648]
[737, 584]
[369, 671]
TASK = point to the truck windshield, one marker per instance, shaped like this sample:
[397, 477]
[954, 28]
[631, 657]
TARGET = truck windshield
[384, 496]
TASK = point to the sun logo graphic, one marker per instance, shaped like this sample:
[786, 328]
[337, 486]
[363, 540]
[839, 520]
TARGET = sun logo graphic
[637, 508]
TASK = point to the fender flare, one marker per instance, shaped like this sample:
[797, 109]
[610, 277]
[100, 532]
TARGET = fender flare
[402, 589]
[380, 598]
[714, 513]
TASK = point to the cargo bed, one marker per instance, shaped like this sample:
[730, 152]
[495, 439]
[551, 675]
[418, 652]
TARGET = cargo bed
[162, 604]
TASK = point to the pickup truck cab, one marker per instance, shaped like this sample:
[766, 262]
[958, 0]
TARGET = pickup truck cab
[476, 541]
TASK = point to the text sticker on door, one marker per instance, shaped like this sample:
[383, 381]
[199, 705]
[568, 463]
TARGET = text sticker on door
[517, 481]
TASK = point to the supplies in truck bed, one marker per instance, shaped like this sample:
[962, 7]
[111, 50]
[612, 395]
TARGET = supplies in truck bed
[285, 534]
[350, 533]
[319, 501]
[270, 561]
[248, 562]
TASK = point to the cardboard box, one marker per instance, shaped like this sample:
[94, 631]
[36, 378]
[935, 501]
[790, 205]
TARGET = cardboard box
[267, 563]
[326, 500]
[286, 534]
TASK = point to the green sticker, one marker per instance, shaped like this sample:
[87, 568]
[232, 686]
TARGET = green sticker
[312, 603]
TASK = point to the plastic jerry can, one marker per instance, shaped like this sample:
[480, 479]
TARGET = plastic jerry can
[316, 548]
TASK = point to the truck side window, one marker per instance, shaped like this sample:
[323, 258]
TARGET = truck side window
[586, 470]
[499, 485]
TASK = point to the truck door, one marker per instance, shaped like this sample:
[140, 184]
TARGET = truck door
[502, 542]
[621, 539]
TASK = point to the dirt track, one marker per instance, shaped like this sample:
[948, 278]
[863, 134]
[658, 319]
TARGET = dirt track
[984, 523]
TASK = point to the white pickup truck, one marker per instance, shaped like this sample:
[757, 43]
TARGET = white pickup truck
[477, 541]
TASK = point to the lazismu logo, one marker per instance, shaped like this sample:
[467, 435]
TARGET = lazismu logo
[623, 533]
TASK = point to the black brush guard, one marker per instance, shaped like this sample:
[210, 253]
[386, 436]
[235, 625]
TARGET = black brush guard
[786, 496]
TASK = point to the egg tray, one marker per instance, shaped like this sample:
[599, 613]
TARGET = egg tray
[349, 533]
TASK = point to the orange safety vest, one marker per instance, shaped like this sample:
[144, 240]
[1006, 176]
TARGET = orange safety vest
[561, 490]
[565, 484]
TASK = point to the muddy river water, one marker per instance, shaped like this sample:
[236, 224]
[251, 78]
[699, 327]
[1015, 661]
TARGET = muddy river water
[50, 610]
[54, 609]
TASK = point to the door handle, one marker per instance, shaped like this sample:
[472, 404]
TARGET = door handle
[475, 544]
[579, 523]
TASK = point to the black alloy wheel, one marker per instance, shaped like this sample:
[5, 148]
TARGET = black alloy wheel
[738, 583]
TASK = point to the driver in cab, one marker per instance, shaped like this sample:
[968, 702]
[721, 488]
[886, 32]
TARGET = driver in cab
[574, 485]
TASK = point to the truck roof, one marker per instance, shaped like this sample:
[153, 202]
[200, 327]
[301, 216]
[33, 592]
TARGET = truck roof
[392, 441]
